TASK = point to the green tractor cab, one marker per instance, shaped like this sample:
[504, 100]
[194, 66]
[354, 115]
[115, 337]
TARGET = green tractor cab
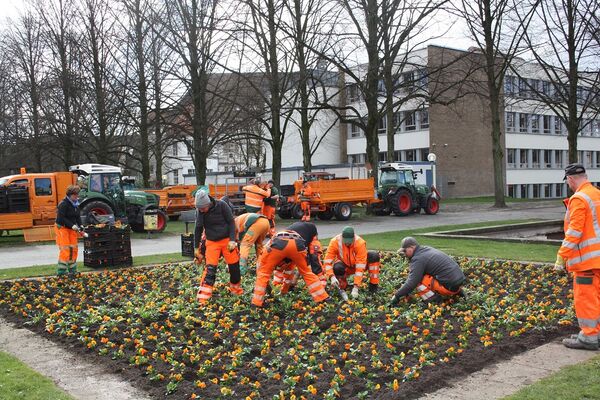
[104, 193]
[401, 195]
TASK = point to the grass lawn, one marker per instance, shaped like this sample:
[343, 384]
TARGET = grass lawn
[18, 381]
[581, 381]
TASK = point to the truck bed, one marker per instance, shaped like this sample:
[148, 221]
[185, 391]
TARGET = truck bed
[343, 190]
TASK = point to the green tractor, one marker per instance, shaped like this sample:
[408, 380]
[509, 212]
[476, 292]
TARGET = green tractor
[401, 195]
[104, 194]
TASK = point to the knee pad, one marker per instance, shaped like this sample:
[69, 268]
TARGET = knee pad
[211, 275]
[373, 256]
[339, 269]
[234, 273]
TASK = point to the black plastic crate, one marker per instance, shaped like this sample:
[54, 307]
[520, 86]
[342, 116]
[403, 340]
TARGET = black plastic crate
[126, 252]
[98, 243]
[122, 261]
[93, 263]
[187, 246]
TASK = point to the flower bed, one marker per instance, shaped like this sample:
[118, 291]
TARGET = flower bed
[147, 322]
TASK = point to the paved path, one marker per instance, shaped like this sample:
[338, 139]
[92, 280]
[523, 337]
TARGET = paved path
[81, 379]
[505, 378]
[43, 254]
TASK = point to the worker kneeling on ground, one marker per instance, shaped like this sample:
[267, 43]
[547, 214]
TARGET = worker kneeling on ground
[286, 246]
[433, 273]
[251, 230]
[215, 219]
[347, 260]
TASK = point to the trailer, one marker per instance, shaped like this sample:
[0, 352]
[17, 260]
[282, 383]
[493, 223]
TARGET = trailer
[332, 196]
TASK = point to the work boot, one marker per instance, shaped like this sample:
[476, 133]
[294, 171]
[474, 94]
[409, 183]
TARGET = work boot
[575, 343]
[373, 287]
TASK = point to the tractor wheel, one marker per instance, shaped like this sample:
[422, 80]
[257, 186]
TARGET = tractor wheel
[297, 212]
[284, 213]
[325, 215]
[401, 202]
[161, 221]
[343, 211]
[173, 217]
[433, 206]
[96, 207]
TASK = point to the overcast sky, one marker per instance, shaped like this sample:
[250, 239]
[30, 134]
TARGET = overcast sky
[454, 38]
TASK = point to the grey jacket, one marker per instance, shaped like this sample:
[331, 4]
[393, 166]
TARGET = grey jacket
[427, 260]
[217, 223]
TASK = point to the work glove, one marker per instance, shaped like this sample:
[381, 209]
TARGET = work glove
[75, 228]
[354, 292]
[231, 245]
[334, 281]
[198, 256]
[84, 234]
[559, 264]
[243, 268]
[394, 301]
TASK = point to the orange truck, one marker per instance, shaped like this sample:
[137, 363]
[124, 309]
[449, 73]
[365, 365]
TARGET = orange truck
[175, 199]
[28, 202]
[331, 196]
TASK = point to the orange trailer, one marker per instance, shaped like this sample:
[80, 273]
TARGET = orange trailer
[331, 196]
[175, 199]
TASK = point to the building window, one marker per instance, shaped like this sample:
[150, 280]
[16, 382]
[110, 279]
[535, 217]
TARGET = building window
[191, 171]
[547, 158]
[597, 163]
[587, 157]
[510, 85]
[381, 126]
[535, 158]
[355, 131]
[558, 125]
[535, 123]
[176, 177]
[510, 158]
[547, 124]
[558, 159]
[424, 115]
[511, 191]
[536, 191]
[547, 190]
[524, 158]
[356, 158]
[523, 92]
[398, 155]
[510, 122]
[423, 78]
[523, 123]
[523, 192]
[410, 122]
[411, 155]
[353, 93]
[559, 189]
[424, 154]
[174, 149]
[383, 156]
[595, 127]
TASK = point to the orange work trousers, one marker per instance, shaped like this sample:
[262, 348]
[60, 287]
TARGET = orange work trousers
[214, 251]
[254, 236]
[66, 240]
[279, 249]
[305, 205]
[429, 286]
[586, 296]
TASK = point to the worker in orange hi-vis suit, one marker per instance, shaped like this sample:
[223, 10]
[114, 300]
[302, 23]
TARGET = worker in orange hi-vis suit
[255, 196]
[251, 230]
[67, 230]
[304, 196]
[347, 258]
[270, 205]
[580, 252]
[214, 220]
[286, 245]
[286, 273]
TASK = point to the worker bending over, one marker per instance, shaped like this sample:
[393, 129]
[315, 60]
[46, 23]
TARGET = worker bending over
[347, 259]
[251, 230]
[215, 219]
[433, 273]
[284, 246]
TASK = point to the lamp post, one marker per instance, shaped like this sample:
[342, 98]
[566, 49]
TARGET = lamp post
[431, 157]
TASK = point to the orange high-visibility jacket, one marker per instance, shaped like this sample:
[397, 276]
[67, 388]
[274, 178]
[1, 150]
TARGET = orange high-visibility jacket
[306, 193]
[354, 255]
[581, 246]
[255, 195]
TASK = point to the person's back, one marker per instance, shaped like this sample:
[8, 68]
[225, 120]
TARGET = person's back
[437, 264]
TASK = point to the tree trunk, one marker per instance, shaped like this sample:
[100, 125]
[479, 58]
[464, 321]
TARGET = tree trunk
[371, 90]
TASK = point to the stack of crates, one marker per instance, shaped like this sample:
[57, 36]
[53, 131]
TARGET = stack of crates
[107, 246]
